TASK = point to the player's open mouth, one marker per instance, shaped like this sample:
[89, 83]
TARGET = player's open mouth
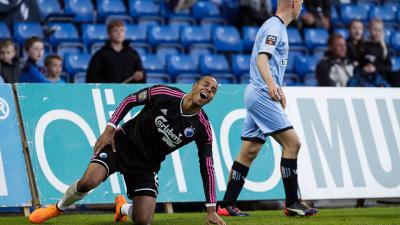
[203, 95]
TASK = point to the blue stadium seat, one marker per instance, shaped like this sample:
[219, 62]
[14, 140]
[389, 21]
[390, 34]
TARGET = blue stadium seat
[294, 36]
[195, 35]
[152, 64]
[351, 12]
[336, 20]
[315, 37]
[24, 30]
[203, 9]
[395, 41]
[140, 8]
[291, 79]
[48, 8]
[70, 48]
[342, 31]
[181, 64]
[240, 64]
[163, 35]
[227, 39]
[296, 41]
[291, 59]
[187, 78]
[64, 32]
[197, 52]
[225, 78]
[82, 9]
[92, 33]
[310, 80]
[388, 34]
[110, 7]
[76, 62]
[136, 33]
[157, 78]
[395, 63]
[249, 36]
[4, 31]
[164, 52]
[305, 65]
[80, 77]
[385, 12]
[245, 78]
[214, 64]
[179, 25]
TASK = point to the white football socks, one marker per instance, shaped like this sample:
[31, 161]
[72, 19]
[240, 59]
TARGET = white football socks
[70, 197]
[127, 209]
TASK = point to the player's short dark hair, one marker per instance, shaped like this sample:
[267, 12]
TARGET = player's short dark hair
[115, 23]
[49, 58]
[30, 41]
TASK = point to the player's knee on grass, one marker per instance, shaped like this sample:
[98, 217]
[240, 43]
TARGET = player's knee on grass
[142, 219]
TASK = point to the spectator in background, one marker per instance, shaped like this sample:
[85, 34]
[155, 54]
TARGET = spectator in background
[254, 12]
[10, 65]
[355, 41]
[32, 72]
[317, 13]
[53, 64]
[376, 46]
[366, 75]
[335, 68]
[116, 61]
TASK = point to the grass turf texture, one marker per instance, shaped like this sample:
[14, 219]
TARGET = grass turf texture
[376, 215]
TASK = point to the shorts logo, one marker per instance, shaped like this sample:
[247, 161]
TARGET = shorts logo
[271, 40]
[103, 155]
[284, 62]
[189, 132]
[4, 109]
[142, 96]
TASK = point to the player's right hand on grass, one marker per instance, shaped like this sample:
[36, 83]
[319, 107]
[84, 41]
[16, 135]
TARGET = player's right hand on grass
[106, 138]
[213, 218]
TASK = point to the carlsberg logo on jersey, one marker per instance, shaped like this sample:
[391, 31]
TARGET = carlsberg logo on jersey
[169, 138]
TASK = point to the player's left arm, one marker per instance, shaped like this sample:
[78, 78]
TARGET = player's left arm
[204, 145]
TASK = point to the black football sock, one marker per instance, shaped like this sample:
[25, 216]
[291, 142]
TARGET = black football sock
[289, 177]
[235, 184]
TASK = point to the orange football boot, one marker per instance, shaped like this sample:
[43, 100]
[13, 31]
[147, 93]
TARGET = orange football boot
[42, 214]
[119, 201]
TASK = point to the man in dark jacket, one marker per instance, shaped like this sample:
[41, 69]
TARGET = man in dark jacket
[116, 61]
[334, 69]
[10, 66]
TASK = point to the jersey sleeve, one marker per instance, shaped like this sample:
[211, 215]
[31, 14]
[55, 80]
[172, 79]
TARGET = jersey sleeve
[137, 98]
[143, 97]
[270, 37]
[204, 145]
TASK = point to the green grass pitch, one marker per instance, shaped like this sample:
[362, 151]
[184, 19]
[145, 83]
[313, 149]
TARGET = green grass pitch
[373, 216]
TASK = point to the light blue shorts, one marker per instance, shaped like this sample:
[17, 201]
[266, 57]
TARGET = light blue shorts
[264, 116]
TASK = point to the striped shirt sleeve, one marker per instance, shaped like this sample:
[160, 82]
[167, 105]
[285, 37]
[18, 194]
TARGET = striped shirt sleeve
[138, 98]
[204, 145]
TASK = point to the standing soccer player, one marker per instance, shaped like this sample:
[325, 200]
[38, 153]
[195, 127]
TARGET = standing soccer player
[169, 120]
[265, 103]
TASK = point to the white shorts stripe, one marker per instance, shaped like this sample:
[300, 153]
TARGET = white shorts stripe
[146, 189]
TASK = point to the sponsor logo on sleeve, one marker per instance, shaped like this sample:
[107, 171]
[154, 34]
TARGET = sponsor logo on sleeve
[271, 40]
[142, 96]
